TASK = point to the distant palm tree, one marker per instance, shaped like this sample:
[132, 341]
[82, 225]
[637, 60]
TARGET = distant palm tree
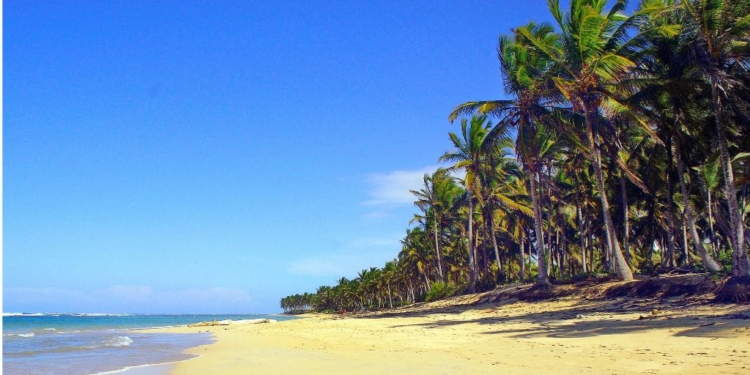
[434, 200]
[499, 192]
[470, 153]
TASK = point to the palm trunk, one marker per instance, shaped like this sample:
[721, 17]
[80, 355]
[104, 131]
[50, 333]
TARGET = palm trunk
[740, 261]
[708, 262]
[714, 243]
[390, 297]
[472, 261]
[590, 245]
[625, 220]
[685, 244]
[670, 208]
[623, 271]
[561, 252]
[557, 253]
[530, 256]
[485, 265]
[491, 224]
[523, 262]
[550, 254]
[437, 249]
[542, 277]
[580, 234]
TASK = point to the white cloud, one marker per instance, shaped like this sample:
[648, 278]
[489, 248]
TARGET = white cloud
[351, 258]
[392, 188]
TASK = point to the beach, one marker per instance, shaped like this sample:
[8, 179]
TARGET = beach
[96, 343]
[467, 335]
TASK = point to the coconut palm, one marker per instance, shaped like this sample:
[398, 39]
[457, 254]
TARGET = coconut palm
[531, 103]
[590, 61]
[470, 153]
[500, 192]
[721, 43]
[435, 200]
[669, 98]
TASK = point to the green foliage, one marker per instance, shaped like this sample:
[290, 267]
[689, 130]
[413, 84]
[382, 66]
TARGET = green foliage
[605, 109]
[725, 260]
[439, 290]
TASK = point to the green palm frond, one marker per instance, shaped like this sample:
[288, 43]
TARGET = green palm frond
[493, 108]
[611, 66]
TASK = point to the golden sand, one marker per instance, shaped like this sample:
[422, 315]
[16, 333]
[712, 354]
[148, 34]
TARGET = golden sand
[566, 336]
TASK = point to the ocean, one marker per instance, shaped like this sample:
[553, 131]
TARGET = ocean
[86, 344]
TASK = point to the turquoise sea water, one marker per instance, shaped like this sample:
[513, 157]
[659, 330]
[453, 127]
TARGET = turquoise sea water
[85, 344]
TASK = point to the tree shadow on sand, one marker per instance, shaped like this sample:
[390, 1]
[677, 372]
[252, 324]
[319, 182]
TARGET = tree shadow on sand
[587, 320]
[682, 305]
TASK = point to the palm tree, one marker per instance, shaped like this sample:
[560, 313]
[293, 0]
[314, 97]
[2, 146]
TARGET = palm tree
[589, 58]
[668, 99]
[532, 102]
[500, 192]
[470, 153]
[434, 200]
[720, 44]
[709, 173]
[414, 253]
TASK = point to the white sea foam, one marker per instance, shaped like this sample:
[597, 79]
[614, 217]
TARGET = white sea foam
[24, 335]
[165, 366]
[22, 314]
[117, 341]
[100, 314]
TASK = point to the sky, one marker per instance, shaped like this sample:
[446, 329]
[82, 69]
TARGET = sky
[216, 156]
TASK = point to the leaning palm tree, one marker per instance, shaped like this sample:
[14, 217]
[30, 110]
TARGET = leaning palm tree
[668, 98]
[721, 43]
[590, 63]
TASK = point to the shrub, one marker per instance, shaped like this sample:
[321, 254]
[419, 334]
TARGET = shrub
[439, 290]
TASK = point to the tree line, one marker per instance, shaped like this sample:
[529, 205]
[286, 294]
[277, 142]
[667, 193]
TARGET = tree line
[623, 146]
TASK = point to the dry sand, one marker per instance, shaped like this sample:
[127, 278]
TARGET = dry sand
[569, 335]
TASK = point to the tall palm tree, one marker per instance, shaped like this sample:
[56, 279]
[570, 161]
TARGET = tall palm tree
[470, 153]
[435, 199]
[590, 61]
[668, 98]
[532, 102]
[414, 252]
[721, 30]
[498, 189]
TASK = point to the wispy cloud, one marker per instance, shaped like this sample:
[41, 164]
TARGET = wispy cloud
[392, 188]
[353, 256]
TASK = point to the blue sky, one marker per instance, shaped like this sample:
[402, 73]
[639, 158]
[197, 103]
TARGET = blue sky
[200, 156]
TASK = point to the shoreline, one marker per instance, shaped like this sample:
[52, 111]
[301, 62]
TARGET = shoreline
[151, 369]
[563, 335]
